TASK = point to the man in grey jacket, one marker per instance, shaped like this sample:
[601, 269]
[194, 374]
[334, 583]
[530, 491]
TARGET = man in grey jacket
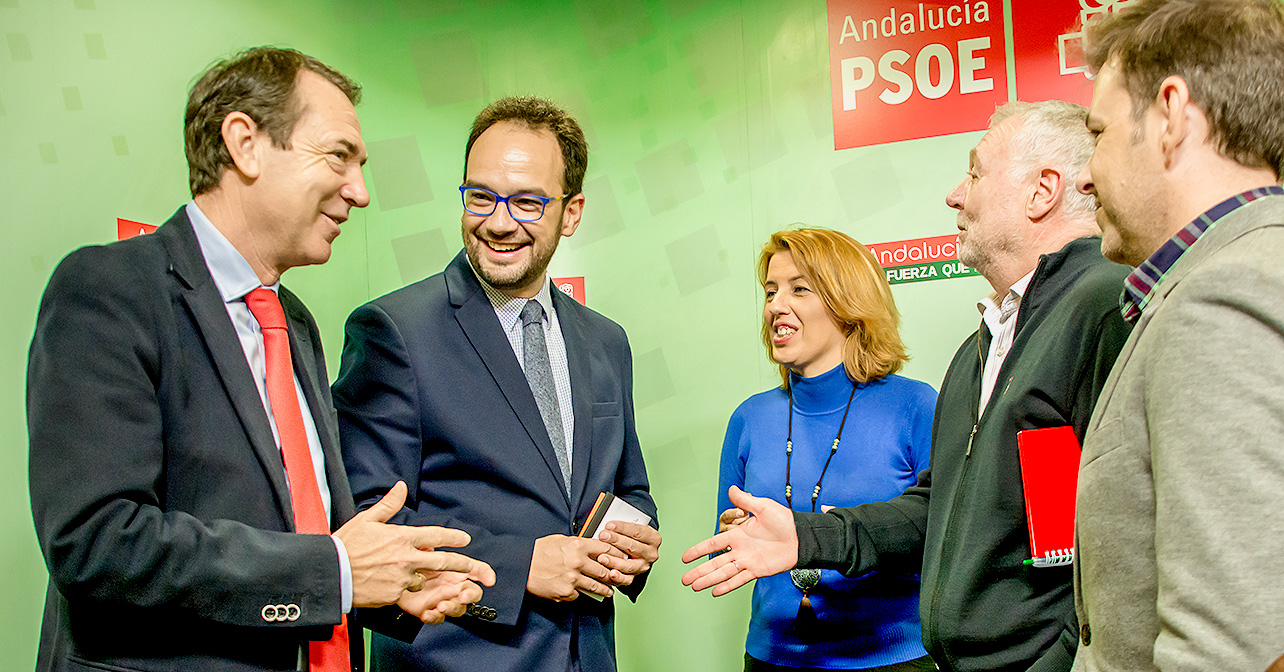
[1180, 530]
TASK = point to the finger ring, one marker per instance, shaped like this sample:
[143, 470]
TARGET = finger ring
[418, 583]
[734, 564]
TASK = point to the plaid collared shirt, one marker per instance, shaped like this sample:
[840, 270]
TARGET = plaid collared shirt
[1140, 285]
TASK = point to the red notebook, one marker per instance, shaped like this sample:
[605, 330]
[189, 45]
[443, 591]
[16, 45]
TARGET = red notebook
[1049, 474]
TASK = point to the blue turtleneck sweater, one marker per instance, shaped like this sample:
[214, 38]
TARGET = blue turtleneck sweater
[866, 621]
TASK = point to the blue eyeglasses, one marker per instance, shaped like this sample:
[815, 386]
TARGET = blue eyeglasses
[521, 207]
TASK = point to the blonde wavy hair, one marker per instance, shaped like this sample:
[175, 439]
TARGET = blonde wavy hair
[854, 289]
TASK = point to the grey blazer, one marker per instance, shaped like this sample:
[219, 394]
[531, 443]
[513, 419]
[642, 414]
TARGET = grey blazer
[1180, 535]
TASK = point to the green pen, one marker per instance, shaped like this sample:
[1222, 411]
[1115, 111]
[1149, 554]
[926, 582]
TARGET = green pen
[1055, 559]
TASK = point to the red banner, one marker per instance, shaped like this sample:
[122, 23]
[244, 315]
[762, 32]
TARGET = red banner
[902, 70]
[127, 229]
[572, 287]
[916, 251]
[921, 259]
[1047, 40]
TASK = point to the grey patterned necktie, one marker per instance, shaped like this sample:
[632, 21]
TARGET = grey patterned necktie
[539, 373]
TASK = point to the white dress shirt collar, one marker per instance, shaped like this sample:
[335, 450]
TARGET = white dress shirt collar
[999, 315]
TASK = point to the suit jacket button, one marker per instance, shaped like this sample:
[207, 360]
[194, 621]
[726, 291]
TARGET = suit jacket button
[1085, 634]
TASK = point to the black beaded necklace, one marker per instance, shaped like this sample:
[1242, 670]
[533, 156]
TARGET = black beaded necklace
[807, 579]
[789, 450]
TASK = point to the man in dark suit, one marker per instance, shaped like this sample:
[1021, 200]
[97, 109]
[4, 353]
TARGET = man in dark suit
[511, 406]
[185, 469]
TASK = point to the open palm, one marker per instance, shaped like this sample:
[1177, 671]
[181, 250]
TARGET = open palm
[765, 544]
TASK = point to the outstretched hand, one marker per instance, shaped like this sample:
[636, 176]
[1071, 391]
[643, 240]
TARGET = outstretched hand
[764, 544]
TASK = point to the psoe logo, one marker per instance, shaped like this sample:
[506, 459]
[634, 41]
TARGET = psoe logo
[128, 229]
[572, 287]
[1070, 45]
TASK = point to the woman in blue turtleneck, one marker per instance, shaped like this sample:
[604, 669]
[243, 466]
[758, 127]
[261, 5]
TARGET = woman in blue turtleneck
[853, 433]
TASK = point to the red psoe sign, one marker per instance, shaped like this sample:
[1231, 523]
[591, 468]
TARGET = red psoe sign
[1047, 39]
[127, 229]
[572, 287]
[901, 70]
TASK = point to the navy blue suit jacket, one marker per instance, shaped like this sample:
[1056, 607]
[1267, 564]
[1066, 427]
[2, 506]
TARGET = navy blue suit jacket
[431, 392]
[159, 493]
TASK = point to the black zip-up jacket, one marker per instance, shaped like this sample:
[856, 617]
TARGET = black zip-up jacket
[963, 524]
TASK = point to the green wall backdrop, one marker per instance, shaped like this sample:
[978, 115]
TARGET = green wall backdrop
[709, 123]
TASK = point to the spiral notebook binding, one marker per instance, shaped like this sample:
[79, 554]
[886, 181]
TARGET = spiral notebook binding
[1055, 558]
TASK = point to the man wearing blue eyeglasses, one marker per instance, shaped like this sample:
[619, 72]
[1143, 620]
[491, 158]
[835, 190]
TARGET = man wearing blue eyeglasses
[509, 406]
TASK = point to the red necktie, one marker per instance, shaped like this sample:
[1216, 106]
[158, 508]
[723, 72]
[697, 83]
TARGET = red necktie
[305, 496]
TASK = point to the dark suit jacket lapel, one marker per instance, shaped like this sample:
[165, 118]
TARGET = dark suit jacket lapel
[476, 317]
[577, 359]
[208, 312]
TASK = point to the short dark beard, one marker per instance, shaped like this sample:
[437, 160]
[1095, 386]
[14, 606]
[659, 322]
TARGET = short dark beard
[533, 272]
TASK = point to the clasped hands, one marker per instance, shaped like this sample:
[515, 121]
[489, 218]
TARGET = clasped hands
[759, 538]
[399, 564]
[562, 566]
